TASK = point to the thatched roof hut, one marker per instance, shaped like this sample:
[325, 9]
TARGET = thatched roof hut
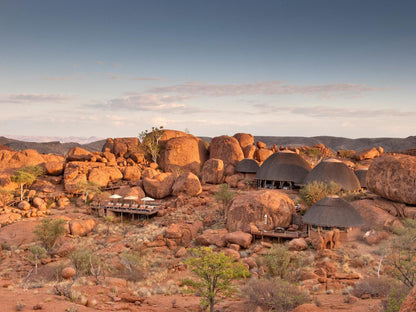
[334, 170]
[247, 165]
[285, 166]
[362, 176]
[333, 211]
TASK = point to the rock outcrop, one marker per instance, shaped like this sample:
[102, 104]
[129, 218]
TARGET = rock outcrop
[227, 149]
[186, 153]
[369, 153]
[159, 186]
[393, 177]
[187, 184]
[213, 171]
[79, 154]
[409, 304]
[244, 139]
[254, 206]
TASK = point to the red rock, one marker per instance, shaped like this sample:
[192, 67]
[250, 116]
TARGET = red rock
[131, 173]
[81, 227]
[374, 237]
[79, 154]
[181, 252]
[187, 184]
[240, 238]
[227, 149]
[68, 273]
[249, 151]
[244, 139]
[297, 244]
[159, 186]
[54, 168]
[307, 307]
[409, 304]
[65, 249]
[232, 180]
[213, 171]
[63, 202]
[149, 173]
[262, 154]
[232, 253]
[186, 153]
[14, 160]
[23, 205]
[369, 153]
[373, 213]
[393, 177]
[212, 237]
[261, 144]
[39, 203]
[252, 207]
[102, 176]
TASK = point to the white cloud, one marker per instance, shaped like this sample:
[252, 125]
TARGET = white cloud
[265, 88]
[28, 98]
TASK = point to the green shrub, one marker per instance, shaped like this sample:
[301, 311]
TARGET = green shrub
[315, 191]
[274, 295]
[49, 230]
[395, 298]
[83, 260]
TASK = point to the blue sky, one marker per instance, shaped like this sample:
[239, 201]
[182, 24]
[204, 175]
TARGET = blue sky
[266, 67]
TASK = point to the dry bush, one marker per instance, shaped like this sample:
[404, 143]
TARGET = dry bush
[133, 268]
[83, 260]
[373, 286]
[315, 191]
[397, 294]
[273, 295]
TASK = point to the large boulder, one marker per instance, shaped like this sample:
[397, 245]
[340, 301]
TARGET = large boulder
[79, 154]
[240, 238]
[375, 214]
[136, 191]
[369, 153]
[244, 139]
[186, 153]
[249, 151]
[14, 160]
[212, 237]
[262, 154]
[54, 168]
[131, 173]
[213, 171]
[103, 175]
[76, 172]
[159, 186]
[81, 227]
[187, 184]
[251, 208]
[120, 146]
[227, 149]
[393, 177]
[183, 233]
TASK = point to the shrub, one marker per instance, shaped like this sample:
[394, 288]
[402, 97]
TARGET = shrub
[134, 267]
[49, 230]
[37, 253]
[274, 295]
[224, 195]
[83, 260]
[395, 298]
[284, 264]
[315, 191]
[373, 286]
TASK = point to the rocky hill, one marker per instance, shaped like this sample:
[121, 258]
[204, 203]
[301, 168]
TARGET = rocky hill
[55, 147]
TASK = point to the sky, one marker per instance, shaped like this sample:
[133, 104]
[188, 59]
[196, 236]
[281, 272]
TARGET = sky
[266, 67]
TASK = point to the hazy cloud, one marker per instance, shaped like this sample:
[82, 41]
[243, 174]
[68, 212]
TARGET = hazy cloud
[114, 76]
[328, 111]
[148, 79]
[61, 78]
[147, 102]
[27, 98]
[264, 88]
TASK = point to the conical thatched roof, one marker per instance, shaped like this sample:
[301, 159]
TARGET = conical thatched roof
[247, 165]
[333, 211]
[334, 170]
[362, 176]
[284, 166]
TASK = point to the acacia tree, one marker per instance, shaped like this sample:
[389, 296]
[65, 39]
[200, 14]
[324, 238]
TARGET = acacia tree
[150, 141]
[224, 195]
[88, 187]
[26, 176]
[215, 272]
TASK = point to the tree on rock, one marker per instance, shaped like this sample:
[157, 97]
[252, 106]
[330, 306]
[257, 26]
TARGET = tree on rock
[26, 176]
[150, 141]
[88, 187]
[215, 272]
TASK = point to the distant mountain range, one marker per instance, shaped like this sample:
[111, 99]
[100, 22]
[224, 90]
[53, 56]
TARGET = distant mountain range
[46, 139]
[334, 143]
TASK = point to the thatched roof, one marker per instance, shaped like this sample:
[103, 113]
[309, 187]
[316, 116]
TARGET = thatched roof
[247, 165]
[284, 166]
[334, 170]
[333, 211]
[362, 176]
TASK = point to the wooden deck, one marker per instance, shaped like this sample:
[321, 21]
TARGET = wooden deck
[280, 235]
[127, 209]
